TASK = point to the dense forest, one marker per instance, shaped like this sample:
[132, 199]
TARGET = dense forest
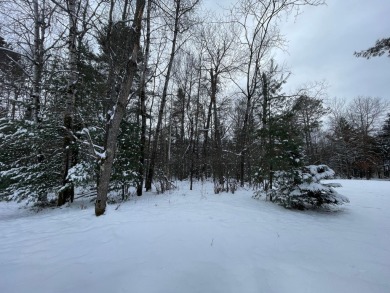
[123, 93]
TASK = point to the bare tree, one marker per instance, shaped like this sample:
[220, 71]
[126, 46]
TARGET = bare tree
[258, 21]
[310, 110]
[179, 16]
[187, 112]
[221, 60]
[29, 24]
[107, 159]
[67, 191]
[354, 126]
[143, 98]
[366, 113]
[12, 77]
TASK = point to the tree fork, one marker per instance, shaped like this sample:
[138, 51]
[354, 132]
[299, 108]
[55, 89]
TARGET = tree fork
[119, 111]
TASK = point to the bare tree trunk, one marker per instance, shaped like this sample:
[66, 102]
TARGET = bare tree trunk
[218, 164]
[119, 111]
[192, 143]
[149, 178]
[142, 102]
[206, 138]
[259, 36]
[195, 132]
[13, 103]
[33, 108]
[109, 102]
[244, 137]
[69, 159]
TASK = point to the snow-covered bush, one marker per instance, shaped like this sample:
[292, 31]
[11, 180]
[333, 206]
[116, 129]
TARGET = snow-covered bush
[302, 189]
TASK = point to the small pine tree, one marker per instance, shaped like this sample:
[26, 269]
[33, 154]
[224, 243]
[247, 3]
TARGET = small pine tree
[126, 164]
[301, 188]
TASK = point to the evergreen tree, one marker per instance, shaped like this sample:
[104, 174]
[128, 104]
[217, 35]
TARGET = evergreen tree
[282, 150]
[301, 188]
[126, 164]
[30, 160]
[278, 134]
[383, 140]
[381, 47]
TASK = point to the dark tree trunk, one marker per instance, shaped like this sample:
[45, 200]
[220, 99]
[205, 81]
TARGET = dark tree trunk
[244, 137]
[218, 164]
[206, 139]
[142, 102]
[153, 155]
[69, 153]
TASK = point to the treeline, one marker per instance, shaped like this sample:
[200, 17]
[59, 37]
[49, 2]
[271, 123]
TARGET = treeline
[123, 93]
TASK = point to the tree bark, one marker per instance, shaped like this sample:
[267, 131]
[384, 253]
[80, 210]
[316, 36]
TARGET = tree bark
[69, 160]
[218, 164]
[142, 102]
[206, 139]
[244, 137]
[33, 108]
[119, 112]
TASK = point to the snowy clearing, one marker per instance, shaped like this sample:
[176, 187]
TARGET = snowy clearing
[196, 241]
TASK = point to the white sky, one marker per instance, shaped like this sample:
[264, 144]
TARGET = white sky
[322, 41]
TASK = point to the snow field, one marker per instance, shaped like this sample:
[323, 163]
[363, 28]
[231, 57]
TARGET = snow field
[196, 241]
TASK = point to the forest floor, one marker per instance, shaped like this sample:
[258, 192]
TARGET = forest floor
[195, 241]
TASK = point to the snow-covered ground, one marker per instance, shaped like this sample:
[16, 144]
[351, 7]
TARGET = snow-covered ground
[196, 241]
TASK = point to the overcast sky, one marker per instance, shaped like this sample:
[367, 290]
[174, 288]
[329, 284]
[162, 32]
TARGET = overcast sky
[322, 41]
